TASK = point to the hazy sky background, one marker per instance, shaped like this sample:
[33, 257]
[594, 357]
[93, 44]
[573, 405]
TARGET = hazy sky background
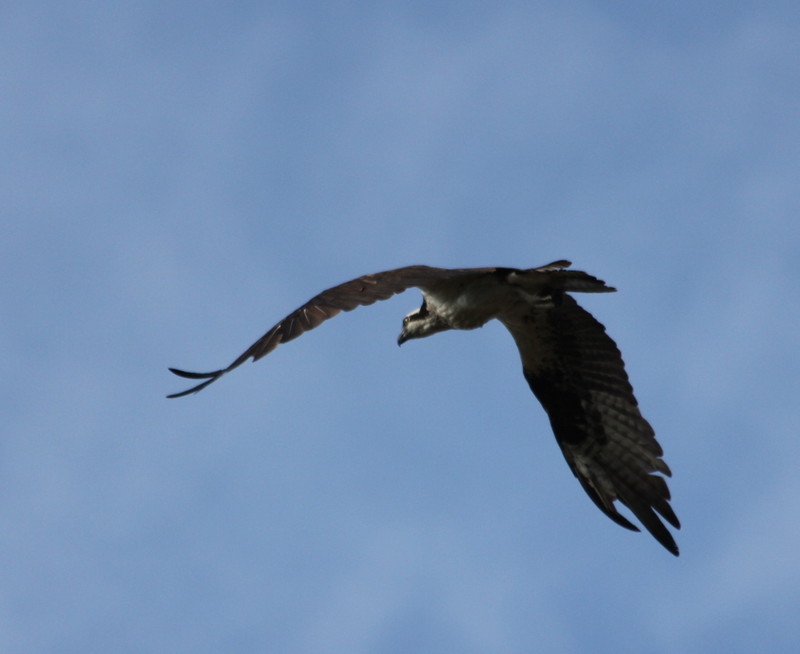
[179, 175]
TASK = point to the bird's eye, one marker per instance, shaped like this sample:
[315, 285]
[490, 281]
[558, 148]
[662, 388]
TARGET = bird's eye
[405, 321]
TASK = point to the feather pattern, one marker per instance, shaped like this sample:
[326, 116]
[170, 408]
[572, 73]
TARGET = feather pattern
[579, 377]
[362, 291]
[572, 366]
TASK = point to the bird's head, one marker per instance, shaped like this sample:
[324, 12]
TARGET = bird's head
[421, 323]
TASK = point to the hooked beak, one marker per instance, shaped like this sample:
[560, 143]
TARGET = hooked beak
[402, 338]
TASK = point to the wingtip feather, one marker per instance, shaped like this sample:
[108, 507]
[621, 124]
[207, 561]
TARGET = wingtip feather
[195, 375]
[209, 377]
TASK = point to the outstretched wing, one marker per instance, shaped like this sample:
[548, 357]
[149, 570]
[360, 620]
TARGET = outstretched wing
[576, 371]
[344, 297]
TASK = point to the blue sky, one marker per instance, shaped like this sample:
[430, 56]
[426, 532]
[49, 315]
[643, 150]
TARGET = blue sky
[178, 176]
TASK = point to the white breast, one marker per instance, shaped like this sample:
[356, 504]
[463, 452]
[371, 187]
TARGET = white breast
[472, 304]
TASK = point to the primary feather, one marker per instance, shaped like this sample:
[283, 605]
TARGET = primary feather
[572, 366]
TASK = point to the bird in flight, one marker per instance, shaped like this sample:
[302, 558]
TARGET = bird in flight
[572, 366]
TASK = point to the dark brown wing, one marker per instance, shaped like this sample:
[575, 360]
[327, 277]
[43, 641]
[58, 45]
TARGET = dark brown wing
[344, 297]
[576, 371]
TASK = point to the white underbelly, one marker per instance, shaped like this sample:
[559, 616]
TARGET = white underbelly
[473, 305]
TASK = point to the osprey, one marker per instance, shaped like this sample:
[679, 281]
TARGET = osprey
[572, 366]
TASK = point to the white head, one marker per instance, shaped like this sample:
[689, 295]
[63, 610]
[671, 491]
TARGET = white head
[421, 323]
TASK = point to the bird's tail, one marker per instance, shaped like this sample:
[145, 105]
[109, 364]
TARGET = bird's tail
[556, 276]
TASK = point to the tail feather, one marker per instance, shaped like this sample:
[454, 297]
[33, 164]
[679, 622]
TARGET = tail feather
[555, 276]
